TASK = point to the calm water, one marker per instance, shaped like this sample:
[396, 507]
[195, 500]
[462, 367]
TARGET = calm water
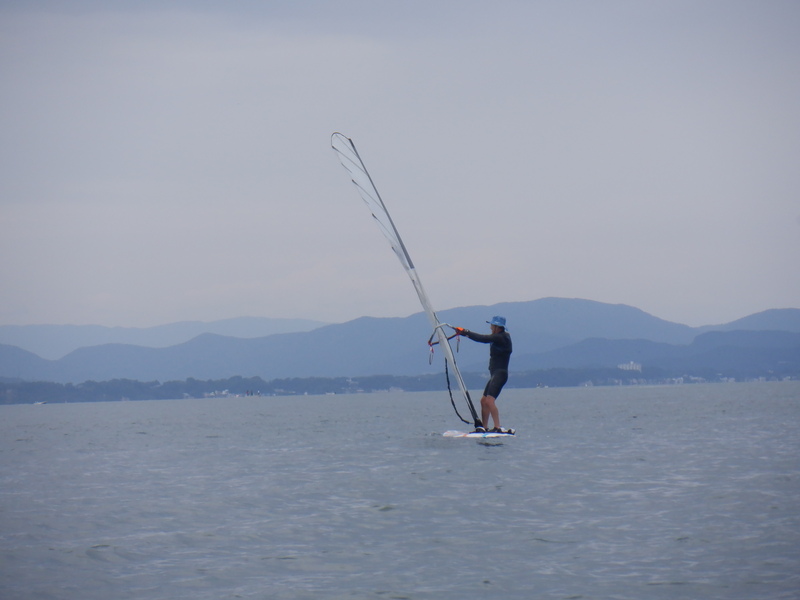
[632, 493]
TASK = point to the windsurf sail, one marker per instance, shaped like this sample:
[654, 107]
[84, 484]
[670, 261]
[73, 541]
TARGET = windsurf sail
[351, 161]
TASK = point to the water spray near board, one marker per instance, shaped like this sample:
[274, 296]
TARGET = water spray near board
[499, 340]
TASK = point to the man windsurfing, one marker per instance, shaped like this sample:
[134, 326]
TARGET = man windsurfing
[499, 354]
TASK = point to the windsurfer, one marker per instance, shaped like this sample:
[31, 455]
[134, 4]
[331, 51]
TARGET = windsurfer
[499, 354]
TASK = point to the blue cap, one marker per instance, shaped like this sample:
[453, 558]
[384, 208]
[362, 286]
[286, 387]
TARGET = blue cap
[499, 321]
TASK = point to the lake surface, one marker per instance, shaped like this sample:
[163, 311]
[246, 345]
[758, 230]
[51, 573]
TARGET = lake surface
[606, 493]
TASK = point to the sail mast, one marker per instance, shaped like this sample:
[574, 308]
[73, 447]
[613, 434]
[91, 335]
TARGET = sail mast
[351, 161]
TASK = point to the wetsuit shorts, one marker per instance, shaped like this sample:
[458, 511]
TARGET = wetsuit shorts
[496, 382]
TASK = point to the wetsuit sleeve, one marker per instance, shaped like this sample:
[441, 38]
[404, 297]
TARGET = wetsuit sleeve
[483, 338]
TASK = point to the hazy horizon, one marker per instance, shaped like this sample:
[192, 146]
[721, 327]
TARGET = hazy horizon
[322, 323]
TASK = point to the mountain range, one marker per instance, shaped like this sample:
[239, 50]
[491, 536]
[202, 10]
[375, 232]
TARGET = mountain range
[547, 333]
[54, 341]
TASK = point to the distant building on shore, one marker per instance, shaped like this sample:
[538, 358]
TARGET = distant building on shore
[630, 366]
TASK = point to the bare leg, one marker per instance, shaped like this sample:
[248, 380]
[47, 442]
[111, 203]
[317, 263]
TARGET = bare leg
[489, 408]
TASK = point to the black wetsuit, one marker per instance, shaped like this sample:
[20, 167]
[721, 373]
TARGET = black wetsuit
[499, 355]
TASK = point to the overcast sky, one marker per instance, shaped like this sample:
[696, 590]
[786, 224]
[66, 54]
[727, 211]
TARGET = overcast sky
[168, 161]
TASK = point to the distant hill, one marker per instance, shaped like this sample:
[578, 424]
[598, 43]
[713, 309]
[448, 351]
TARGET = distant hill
[54, 341]
[547, 333]
[572, 319]
[748, 353]
[776, 319]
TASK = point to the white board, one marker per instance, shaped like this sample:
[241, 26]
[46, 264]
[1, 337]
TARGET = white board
[473, 434]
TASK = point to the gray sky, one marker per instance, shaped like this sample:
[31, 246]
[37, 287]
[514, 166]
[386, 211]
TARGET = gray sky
[167, 161]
